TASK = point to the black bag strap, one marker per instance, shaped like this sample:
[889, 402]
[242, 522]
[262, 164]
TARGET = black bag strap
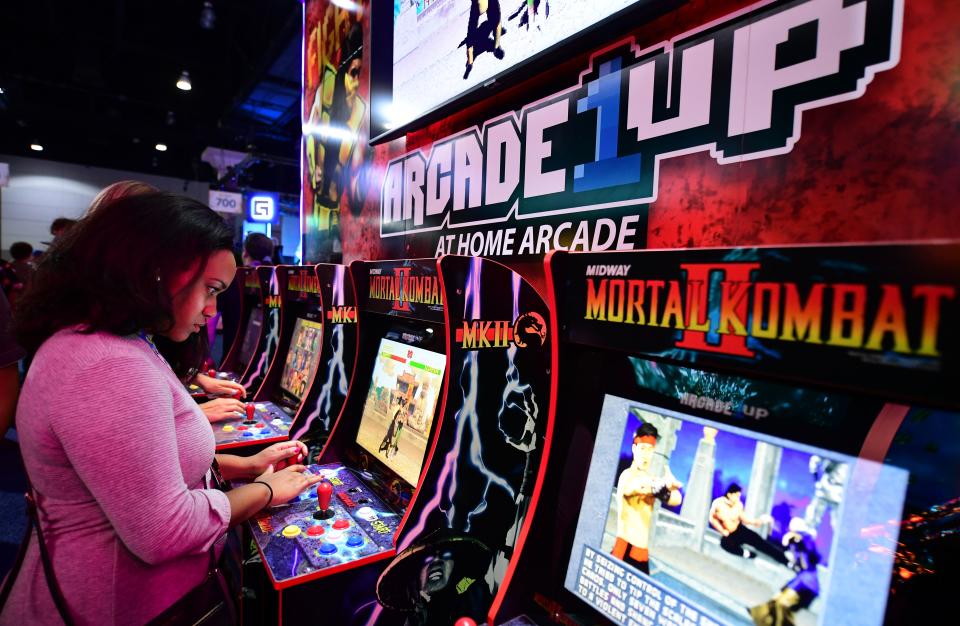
[58, 599]
[33, 521]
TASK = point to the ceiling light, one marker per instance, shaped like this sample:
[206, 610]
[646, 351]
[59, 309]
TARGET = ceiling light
[183, 83]
[161, 147]
[171, 118]
[349, 5]
[208, 19]
[329, 132]
[2, 91]
[36, 147]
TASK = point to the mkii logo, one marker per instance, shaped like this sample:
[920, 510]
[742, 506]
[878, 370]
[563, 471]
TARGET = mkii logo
[527, 330]
[403, 289]
[251, 281]
[720, 305]
[342, 315]
[273, 301]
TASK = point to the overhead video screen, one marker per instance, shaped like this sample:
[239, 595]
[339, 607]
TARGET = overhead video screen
[443, 48]
[398, 412]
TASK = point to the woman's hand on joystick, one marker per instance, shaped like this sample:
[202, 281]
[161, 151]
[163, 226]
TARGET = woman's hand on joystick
[279, 455]
[287, 483]
[222, 409]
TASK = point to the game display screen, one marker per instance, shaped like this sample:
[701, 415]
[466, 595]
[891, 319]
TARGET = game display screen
[433, 40]
[689, 521]
[398, 412]
[301, 363]
[251, 337]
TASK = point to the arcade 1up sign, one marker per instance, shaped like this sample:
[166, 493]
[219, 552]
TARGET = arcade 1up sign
[523, 183]
[874, 318]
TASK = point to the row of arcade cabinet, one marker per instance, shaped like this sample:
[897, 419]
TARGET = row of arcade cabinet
[762, 436]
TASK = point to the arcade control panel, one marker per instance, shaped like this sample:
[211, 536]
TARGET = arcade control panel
[337, 523]
[264, 422]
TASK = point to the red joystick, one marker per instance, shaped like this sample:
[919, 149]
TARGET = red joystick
[237, 394]
[464, 621]
[212, 373]
[324, 491]
[251, 411]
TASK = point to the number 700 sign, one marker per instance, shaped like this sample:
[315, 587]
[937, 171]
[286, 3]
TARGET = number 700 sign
[226, 201]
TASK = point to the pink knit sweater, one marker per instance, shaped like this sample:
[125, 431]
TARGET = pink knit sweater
[118, 453]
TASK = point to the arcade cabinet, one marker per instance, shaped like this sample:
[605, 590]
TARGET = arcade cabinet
[469, 515]
[372, 459]
[338, 356]
[289, 379]
[250, 329]
[749, 436]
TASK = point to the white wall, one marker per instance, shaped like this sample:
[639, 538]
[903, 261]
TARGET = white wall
[41, 191]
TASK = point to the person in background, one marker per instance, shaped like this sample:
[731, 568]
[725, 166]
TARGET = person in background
[60, 226]
[22, 253]
[10, 283]
[188, 358]
[10, 355]
[257, 250]
[118, 453]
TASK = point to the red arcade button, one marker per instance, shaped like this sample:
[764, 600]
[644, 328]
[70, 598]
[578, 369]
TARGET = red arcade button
[315, 531]
[340, 524]
[241, 427]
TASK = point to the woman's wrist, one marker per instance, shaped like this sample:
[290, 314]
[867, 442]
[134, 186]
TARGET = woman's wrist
[269, 489]
[233, 466]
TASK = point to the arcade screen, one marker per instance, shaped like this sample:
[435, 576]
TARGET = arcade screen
[302, 357]
[251, 337]
[689, 521]
[400, 404]
[434, 40]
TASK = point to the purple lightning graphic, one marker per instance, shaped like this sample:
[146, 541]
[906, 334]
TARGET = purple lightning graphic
[335, 365]
[467, 418]
[273, 316]
[518, 399]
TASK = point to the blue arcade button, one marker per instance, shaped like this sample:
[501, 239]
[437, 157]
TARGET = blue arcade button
[247, 433]
[355, 541]
[328, 548]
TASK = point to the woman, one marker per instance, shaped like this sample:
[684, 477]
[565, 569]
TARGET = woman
[117, 451]
[187, 357]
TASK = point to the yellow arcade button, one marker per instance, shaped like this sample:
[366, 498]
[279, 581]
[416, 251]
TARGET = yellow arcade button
[228, 428]
[291, 531]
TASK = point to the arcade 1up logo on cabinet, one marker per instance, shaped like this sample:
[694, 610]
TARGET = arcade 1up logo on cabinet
[762, 436]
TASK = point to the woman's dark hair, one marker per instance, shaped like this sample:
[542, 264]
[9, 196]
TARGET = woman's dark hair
[186, 358]
[111, 271]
